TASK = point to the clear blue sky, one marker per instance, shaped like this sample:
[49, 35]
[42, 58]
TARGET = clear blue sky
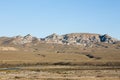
[43, 17]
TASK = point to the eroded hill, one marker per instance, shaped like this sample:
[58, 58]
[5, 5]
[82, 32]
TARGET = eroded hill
[68, 49]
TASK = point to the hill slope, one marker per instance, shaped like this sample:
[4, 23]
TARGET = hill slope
[74, 48]
[83, 39]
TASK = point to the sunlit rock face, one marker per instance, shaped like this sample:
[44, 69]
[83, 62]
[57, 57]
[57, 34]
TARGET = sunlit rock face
[83, 39]
[24, 39]
[54, 38]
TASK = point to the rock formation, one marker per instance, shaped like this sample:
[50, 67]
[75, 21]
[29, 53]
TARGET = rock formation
[24, 39]
[54, 38]
[83, 39]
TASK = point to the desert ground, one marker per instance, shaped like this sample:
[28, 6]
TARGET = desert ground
[60, 73]
[58, 62]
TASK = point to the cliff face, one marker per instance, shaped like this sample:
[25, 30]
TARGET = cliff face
[83, 39]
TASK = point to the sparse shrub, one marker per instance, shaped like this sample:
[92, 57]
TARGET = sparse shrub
[90, 56]
[99, 76]
[37, 70]
[62, 63]
[17, 77]
[106, 47]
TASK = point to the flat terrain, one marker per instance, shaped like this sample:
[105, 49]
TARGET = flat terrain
[60, 73]
[60, 62]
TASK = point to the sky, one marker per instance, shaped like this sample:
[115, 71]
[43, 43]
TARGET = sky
[41, 18]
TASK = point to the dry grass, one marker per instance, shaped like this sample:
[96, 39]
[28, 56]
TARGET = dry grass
[60, 73]
[61, 54]
[61, 62]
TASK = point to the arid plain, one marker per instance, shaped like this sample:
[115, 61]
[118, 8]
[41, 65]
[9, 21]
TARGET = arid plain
[47, 60]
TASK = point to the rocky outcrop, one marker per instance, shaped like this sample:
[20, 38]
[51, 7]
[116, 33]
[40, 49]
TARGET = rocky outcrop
[54, 38]
[107, 39]
[24, 39]
[83, 39]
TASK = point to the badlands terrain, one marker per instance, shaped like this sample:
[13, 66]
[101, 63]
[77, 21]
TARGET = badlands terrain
[74, 56]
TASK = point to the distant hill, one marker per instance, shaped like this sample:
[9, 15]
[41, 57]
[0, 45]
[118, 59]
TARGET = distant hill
[80, 39]
[83, 39]
[73, 48]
